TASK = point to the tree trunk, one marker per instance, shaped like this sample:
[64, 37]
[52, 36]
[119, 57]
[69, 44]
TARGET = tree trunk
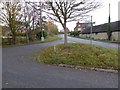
[27, 37]
[65, 36]
[14, 39]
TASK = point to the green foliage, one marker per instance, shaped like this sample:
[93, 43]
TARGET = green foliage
[52, 29]
[39, 35]
[75, 34]
[109, 31]
[10, 17]
[22, 41]
[20, 34]
[80, 55]
[53, 38]
[6, 41]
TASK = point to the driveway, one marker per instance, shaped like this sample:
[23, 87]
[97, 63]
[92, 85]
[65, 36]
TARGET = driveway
[21, 70]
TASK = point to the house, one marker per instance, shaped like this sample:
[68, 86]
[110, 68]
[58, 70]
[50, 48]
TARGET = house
[100, 31]
[81, 26]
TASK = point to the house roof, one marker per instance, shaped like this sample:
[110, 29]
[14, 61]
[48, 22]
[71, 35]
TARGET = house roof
[102, 28]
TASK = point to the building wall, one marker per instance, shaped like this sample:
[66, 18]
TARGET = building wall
[84, 35]
[100, 36]
[115, 35]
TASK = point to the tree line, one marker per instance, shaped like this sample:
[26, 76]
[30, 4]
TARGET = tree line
[29, 14]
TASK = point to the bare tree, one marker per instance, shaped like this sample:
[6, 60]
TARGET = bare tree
[10, 16]
[28, 18]
[64, 11]
[38, 7]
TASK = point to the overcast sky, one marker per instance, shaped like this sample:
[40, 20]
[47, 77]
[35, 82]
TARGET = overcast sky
[100, 15]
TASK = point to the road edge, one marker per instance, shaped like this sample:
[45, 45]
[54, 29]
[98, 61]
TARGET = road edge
[86, 68]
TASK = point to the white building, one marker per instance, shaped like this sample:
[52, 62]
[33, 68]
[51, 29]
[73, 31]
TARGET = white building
[100, 31]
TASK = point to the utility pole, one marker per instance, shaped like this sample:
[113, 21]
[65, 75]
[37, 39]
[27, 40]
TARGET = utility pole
[40, 15]
[91, 29]
[40, 3]
[33, 17]
[119, 18]
[109, 32]
[26, 22]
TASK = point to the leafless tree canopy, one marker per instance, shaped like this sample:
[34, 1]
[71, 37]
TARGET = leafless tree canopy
[11, 9]
[64, 11]
[71, 10]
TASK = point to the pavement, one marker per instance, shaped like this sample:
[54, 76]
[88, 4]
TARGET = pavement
[21, 70]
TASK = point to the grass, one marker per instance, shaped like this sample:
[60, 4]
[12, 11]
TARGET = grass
[48, 39]
[117, 42]
[78, 54]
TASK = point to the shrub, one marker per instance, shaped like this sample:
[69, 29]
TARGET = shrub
[39, 35]
[75, 34]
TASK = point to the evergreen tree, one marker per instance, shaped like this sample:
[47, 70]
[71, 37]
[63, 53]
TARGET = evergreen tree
[109, 31]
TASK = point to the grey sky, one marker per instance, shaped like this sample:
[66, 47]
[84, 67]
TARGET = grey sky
[100, 15]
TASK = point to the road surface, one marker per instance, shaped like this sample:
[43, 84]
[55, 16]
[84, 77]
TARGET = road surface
[21, 70]
[96, 43]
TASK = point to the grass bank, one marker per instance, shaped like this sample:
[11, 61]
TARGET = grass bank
[78, 54]
[48, 39]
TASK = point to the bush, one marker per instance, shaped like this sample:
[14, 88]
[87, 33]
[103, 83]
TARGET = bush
[39, 35]
[20, 34]
[6, 41]
[75, 34]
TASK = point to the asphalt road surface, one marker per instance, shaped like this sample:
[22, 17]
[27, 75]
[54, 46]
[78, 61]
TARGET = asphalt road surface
[96, 43]
[21, 70]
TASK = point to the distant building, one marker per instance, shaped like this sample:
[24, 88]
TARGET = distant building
[100, 31]
[81, 26]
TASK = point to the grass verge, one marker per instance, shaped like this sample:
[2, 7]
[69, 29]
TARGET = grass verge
[78, 54]
[48, 39]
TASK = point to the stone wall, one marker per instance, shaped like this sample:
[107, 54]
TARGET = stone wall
[102, 36]
[115, 36]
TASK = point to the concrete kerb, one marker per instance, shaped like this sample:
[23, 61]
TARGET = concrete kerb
[87, 68]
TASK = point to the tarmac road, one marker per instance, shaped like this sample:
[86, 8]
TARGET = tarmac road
[96, 43]
[21, 70]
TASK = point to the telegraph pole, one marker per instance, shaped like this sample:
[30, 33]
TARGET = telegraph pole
[91, 30]
[26, 22]
[33, 17]
[109, 32]
[40, 3]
